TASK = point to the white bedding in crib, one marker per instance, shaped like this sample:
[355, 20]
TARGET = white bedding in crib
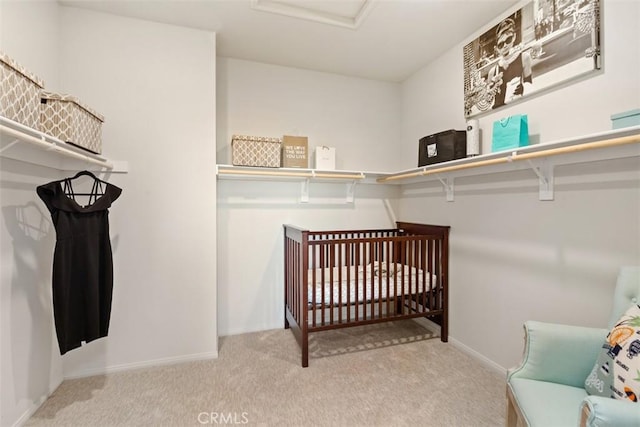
[409, 281]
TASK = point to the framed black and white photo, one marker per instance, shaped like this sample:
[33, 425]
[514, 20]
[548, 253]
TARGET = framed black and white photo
[541, 45]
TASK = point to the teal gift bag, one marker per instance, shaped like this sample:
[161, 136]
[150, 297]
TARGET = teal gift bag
[510, 132]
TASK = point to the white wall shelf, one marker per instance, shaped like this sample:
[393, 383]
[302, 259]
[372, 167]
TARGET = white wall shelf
[304, 176]
[294, 174]
[29, 145]
[541, 159]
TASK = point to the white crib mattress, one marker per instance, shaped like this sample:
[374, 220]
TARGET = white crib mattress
[402, 280]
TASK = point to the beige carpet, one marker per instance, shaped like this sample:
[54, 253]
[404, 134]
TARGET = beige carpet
[394, 374]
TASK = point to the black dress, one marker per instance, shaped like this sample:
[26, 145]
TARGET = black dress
[82, 262]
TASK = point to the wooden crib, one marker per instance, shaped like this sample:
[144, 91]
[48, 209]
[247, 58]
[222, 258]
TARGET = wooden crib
[338, 279]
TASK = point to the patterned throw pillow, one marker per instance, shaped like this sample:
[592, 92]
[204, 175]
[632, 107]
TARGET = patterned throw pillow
[616, 373]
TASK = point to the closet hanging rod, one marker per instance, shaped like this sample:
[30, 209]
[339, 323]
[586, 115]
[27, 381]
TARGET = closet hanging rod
[309, 174]
[630, 139]
[401, 176]
[525, 156]
[337, 175]
[265, 173]
[53, 146]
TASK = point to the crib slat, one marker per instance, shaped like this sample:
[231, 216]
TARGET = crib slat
[417, 278]
[436, 280]
[313, 284]
[322, 284]
[297, 285]
[438, 249]
[331, 251]
[402, 278]
[423, 266]
[357, 280]
[294, 284]
[372, 280]
[339, 263]
[287, 279]
[380, 277]
[407, 295]
[348, 262]
[405, 262]
[387, 277]
[410, 278]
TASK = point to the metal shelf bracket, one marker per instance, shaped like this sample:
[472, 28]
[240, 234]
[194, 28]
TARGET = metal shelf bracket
[9, 145]
[544, 171]
[351, 191]
[304, 191]
[447, 183]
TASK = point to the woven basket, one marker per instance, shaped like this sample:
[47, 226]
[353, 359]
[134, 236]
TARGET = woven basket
[19, 93]
[64, 117]
[255, 151]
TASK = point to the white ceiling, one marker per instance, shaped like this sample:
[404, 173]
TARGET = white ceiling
[385, 40]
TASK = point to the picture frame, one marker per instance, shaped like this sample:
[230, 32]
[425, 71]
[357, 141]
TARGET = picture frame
[540, 46]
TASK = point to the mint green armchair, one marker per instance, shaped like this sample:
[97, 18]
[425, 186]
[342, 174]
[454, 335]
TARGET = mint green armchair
[547, 389]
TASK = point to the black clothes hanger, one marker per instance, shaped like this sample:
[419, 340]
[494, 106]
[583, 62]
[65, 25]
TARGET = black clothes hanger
[96, 191]
[87, 173]
[84, 173]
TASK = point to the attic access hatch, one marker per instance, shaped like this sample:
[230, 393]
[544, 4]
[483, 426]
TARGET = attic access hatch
[345, 13]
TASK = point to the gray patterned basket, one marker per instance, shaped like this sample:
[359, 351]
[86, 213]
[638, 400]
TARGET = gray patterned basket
[255, 151]
[64, 117]
[19, 93]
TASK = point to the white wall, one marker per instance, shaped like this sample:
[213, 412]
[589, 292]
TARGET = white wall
[155, 84]
[30, 367]
[432, 99]
[358, 117]
[514, 257]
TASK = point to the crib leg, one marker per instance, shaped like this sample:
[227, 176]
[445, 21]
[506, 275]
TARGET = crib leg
[304, 346]
[444, 328]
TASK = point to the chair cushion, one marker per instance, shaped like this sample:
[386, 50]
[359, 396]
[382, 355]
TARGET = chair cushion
[547, 404]
[616, 373]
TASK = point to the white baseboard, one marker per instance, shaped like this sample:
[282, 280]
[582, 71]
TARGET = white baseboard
[34, 406]
[435, 328]
[479, 357]
[141, 365]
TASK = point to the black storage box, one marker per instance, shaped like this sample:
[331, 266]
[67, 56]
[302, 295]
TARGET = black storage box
[442, 147]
